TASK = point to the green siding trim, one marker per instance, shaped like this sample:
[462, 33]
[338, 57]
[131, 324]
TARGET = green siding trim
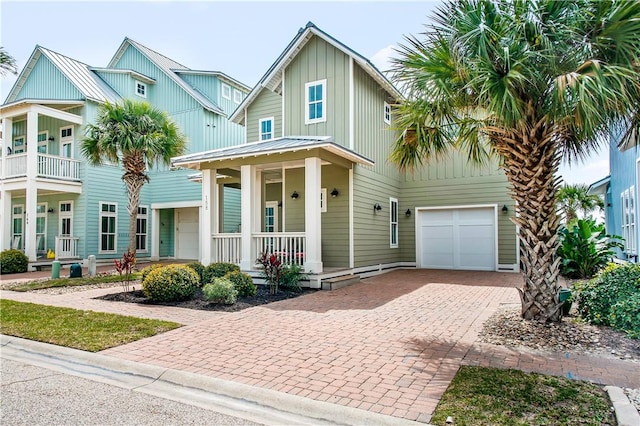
[47, 82]
[267, 104]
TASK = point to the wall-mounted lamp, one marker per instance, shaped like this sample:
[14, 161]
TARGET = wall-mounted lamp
[377, 207]
[505, 209]
[51, 139]
[294, 195]
[280, 204]
[334, 193]
[50, 210]
[408, 213]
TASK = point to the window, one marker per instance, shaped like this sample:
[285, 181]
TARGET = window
[237, 96]
[19, 145]
[266, 128]
[43, 141]
[66, 132]
[108, 220]
[17, 223]
[66, 246]
[226, 91]
[387, 113]
[141, 89]
[393, 222]
[142, 221]
[314, 102]
[271, 216]
[627, 199]
[323, 200]
[41, 227]
[66, 141]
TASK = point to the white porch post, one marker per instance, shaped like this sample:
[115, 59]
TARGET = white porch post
[312, 218]
[247, 215]
[209, 214]
[31, 204]
[6, 213]
[155, 234]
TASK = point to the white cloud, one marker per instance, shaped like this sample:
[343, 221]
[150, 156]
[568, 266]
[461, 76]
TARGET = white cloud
[382, 58]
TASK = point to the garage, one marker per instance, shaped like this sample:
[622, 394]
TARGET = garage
[187, 233]
[457, 238]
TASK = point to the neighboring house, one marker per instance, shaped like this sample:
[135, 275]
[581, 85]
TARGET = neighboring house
[317, 186]
[52, 200]
[620, 191]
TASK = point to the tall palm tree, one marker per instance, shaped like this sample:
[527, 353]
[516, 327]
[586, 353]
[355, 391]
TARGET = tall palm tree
[7, 63]
[572, 199]
[531, 82]
[137, 136]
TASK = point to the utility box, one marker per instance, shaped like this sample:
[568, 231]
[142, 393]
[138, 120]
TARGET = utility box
[76, 271]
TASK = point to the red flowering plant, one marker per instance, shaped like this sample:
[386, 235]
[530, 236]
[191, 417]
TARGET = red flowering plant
[124, 267]
[271, 270]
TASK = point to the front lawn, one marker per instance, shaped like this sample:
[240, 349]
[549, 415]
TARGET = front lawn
[85, 330]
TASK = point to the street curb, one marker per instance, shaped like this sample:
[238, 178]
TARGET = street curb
[237, 399]
[626, 413]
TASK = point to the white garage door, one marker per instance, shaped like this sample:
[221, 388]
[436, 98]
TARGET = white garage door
[187, 233]
[457, 239]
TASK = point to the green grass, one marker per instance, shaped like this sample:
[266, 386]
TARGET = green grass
[68, 282]
[85, 330]
[490, 396]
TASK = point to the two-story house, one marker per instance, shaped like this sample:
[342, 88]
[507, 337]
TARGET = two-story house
[52, 200]
[317, 186]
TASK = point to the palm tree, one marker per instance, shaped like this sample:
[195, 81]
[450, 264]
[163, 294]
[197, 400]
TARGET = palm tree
[530, 82]
[574, 198]
[138, 136]
[7, 63]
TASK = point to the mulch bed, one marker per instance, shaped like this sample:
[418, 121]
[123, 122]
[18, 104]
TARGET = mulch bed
[262, 297]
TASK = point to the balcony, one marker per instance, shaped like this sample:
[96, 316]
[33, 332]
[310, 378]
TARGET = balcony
[49, 166]
[288, 246]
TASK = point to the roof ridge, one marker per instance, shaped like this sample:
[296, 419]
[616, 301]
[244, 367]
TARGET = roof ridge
[138, 44]
[42, 48]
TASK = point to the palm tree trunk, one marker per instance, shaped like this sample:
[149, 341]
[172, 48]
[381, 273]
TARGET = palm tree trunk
[530, 162]
[134, 183]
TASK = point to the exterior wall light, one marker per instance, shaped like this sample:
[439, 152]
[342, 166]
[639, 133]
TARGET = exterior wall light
[505, 209]
[294, 195]
[334, 193]
[408, 213]
[377, 207]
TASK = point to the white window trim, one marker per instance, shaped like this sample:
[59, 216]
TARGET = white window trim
[386, 113]
[64, 215]
[146, 234]
[393, 231]
[44, 142]
[226, 89]
[23, 146]
[42, 214]
[628, 222]
[102, 214]
[237, 96]
[66, 140]
[323, 119]
[19, 234]
[274, 206]
[323, 200]
[135, 88]
[262, 120]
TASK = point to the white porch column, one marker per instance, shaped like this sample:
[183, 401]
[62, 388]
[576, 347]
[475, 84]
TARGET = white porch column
[209, 215]
[247, 215]
[312, 218]
[155, 234]
[31, 203]
[6, 213]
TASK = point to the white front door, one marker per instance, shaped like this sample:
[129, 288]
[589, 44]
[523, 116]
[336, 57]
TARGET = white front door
[65, 214]
[271, 216]
[458, 238]
[188, 233]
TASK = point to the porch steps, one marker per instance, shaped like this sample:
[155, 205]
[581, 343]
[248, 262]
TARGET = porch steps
[339, 282]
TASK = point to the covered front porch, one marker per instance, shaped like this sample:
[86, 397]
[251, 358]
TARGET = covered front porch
[296, 202]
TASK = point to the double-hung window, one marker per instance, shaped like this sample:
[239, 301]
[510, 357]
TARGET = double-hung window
[266, 128]
[393, 222]
[627, 199]
[108, 226]
[142, 221]
[315, 102]
[141, 89]
[387, 113]
[226, 91]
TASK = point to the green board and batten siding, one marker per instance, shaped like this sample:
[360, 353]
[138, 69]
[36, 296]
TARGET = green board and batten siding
[267, 104]
[46, 81]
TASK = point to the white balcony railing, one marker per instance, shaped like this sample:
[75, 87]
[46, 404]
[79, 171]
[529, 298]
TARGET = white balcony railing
[67, 247]
[49, 166]
[227, 248]
[16, 166]
[288, 246]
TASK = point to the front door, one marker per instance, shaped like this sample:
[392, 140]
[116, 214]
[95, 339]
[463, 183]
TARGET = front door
[66, 229]
[17, 227]
[41, 227]
[187, 233]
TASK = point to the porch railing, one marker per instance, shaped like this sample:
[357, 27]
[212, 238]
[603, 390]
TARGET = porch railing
[227, 248]
[49, 166]
[289, 246]
[67, 247]
[15, 166]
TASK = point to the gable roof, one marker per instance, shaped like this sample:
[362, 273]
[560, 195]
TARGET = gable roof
[169, 67]
[220, 75]
[273, 77]
[79, 74]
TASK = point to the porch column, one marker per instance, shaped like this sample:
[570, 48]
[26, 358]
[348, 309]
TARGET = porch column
[209, 215]
[155, 234]
[312, 218]
[31, 203]
[250, 187]
[7, 214]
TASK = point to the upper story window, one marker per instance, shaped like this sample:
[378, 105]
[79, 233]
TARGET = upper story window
[237, 96]
[141, 89]
[266, 128]
[66, 132]
[19, 145]
[43, 141]
[315, 99]
[226, 91]
[387, 113]
[393, 222]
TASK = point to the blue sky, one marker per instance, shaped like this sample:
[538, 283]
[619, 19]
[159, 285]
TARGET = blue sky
[239, 38]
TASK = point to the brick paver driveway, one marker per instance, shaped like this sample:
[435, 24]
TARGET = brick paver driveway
[390, 344]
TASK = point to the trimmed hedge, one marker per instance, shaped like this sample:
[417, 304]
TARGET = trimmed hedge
[217, 270]
[171, 283]
[13, 262]
[243, 283]
[220, 290]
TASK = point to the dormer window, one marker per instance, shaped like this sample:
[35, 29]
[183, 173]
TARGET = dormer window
[237, 96]
[141, 89]
[226, 91]
[387, 113]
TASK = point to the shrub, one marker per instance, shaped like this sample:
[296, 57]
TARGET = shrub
[13, 262]
[625, 315]
[217, 270]
[597, 296]
[271, 270]
[290, 277]
[147, 269]
[243, 283]
[220, 290]
[199, 268]
[124, 267]
[170, 283]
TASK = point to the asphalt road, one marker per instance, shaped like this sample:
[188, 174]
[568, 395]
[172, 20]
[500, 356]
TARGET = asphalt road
[32, 396]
